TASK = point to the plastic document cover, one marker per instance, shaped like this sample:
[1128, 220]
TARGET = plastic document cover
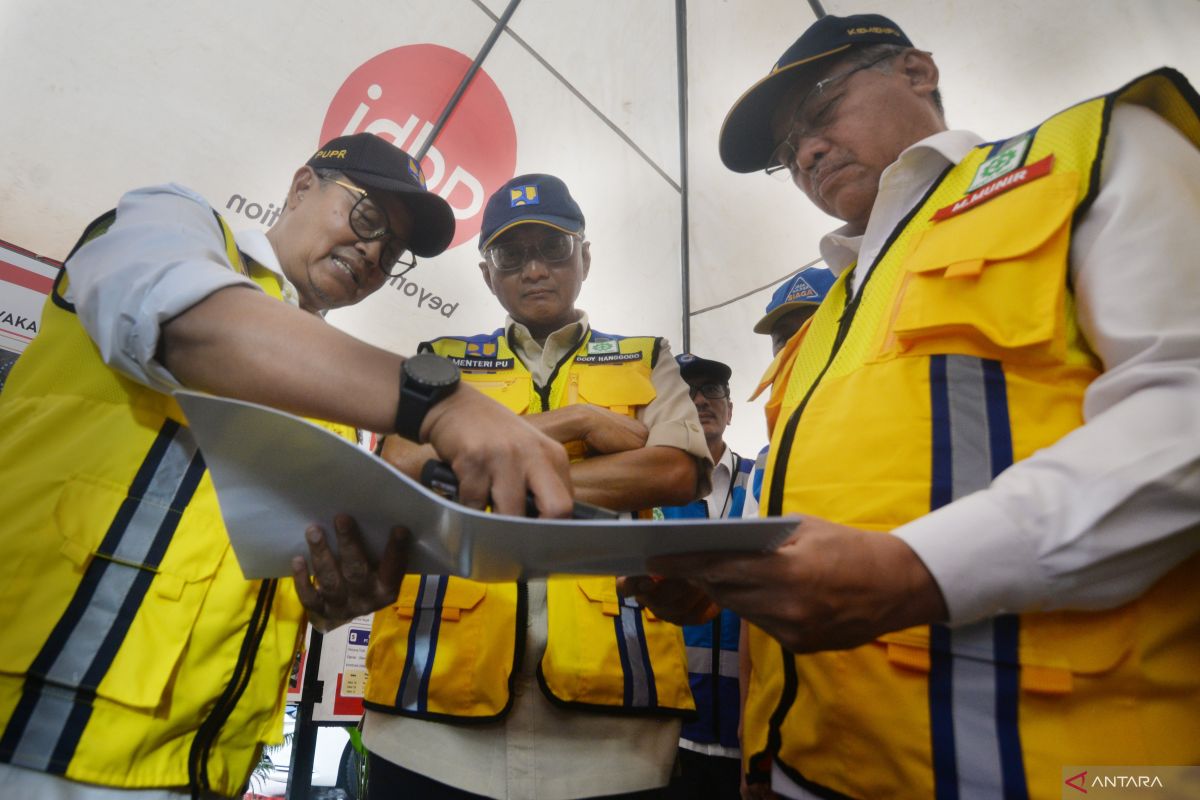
[275, 474]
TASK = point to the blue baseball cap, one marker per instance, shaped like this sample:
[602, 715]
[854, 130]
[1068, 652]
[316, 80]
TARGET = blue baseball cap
[536, 197]
[692, 366]
[746, 141]
[807, 287]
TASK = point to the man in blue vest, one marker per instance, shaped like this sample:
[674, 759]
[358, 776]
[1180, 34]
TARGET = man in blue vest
[709, 758]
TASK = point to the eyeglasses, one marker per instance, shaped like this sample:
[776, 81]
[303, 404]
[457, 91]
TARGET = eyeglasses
[553, 248]
[712, 391]
[812, 115]
[370, 224]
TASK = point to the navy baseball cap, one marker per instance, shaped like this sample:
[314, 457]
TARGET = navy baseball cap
[807, 287]
[378, 164]
[746, 142]
[692, 366]
[536, 197]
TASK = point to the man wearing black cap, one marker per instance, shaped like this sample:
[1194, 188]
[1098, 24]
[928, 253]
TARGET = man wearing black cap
[571, 691]
[999, 379]
[709, 758]
[136, 656]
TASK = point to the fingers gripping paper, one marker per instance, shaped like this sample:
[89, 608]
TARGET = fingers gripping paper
[275, 474]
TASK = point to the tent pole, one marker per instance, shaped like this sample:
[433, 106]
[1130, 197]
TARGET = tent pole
[466, 80]
[684, 239]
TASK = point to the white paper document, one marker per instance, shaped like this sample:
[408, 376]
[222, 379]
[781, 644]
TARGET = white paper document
[275, 474]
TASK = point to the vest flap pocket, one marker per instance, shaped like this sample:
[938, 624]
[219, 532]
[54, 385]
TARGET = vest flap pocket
[461, 595]
[991, 279]
[510, 392]
[613, 386]
[1053, 648]
[1008, 226]
[129, 659]
[603, 592]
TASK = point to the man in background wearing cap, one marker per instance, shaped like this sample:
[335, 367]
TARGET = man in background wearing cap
[530, 664]
[136, 657]
[709, 758]
[793, 304]
[1004, 378]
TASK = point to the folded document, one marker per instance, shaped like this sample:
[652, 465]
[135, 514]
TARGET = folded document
[275, 474]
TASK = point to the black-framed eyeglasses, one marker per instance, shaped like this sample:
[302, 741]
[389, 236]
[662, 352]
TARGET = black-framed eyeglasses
[370, 224]
[811, 116]
[552, 248]
[712, 391]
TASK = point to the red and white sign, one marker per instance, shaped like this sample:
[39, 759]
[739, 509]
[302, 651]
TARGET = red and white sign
[24, 283]
[399, 95]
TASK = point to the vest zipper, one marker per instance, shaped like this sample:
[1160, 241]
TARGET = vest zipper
[775, 499]
[210, 729]
[544, 391]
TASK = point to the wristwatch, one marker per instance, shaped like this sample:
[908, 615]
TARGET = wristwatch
[425, 380]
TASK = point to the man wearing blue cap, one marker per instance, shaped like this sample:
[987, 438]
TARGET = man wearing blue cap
[137, 660]
[991, 426]
[709, 758]
[793, 304]
[570, 690]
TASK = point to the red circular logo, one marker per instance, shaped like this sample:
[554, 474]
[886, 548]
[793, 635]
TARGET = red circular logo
[399, 95]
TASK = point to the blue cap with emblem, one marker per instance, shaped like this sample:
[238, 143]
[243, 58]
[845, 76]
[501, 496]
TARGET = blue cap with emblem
[746, 141]
[536, 197]
[807, 288]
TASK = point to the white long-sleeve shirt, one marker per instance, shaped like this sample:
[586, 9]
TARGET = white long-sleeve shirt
[164, 254]
[1096, 518]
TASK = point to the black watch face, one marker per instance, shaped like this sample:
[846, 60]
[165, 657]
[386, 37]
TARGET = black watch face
[431, 370]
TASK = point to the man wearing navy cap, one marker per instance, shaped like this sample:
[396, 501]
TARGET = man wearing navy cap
[709, 758]
[570, 691]
[137, 659]
[991, 426]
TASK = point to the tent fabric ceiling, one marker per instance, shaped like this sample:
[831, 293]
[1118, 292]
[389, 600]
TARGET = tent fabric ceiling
[229, 98]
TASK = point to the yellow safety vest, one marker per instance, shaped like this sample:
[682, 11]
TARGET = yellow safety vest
[967, 327]
[449, 648]
[135, 653]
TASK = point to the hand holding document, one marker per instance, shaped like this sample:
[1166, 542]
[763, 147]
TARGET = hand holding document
[275, 474]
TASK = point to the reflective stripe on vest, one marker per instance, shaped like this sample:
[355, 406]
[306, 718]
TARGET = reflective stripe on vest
[972, 701]
[640, 691]
[62, 680]
[422, 641]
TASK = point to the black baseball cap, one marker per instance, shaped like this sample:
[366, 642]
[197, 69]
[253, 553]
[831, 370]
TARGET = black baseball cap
[693, 366]
[746, 142]
[378, 164]
[535, 197]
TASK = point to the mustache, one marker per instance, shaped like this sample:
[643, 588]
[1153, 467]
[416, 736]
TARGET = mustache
[823, 169]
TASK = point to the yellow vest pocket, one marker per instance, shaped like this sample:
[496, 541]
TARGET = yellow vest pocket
[991, 281]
